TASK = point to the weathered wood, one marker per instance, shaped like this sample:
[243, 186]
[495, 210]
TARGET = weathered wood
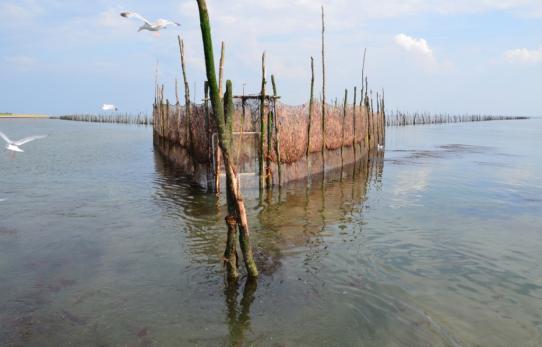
[354, 107]
[210, 171]
[232, 190]
[262, 127]
[345, 105]
[311, 103]
[277, 131]
[230, 254]
[177, 92]
[221, 69]
[188, 107]
[323, 94]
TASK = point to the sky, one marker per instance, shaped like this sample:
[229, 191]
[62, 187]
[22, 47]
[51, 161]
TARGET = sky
[441, 56]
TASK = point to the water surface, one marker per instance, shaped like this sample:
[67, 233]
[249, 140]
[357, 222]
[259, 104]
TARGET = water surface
[438, 243]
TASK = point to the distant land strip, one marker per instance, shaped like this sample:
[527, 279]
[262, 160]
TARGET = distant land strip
[17, 115]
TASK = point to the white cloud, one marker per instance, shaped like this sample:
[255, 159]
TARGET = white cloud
[419, 47]
[523, 56]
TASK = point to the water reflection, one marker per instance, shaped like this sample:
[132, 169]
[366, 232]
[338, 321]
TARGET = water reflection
[238, 312]
[287, 224]
[291, 219]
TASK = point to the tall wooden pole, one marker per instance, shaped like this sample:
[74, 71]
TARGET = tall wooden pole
[188, 108]
[345, 105]
[311, 104]
[277, 130]
[217, 153]
[262, 126]
[354, 121]
[323, 93]
[232, 190]
[221, 69]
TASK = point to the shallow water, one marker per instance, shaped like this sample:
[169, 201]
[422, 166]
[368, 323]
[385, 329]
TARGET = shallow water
[103, 244]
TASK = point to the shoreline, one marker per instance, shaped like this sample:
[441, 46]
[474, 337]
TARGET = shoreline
[23, 116]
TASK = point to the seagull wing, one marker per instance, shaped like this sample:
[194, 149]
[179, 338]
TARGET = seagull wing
[2, 135]
[135, 15]
[165, 22]
[28, 139]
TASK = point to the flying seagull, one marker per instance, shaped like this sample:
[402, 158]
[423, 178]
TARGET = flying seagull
[156, 26]
[14, 145]
[109, 107]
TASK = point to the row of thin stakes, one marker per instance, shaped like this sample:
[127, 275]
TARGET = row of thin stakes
[139, 119]
[403, 119]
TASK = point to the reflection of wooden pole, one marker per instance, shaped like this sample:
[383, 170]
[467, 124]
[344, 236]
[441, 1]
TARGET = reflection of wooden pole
[262, 126]
[233, 191]
[323, 93]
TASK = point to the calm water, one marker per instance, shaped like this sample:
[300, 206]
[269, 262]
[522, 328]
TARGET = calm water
[439, 244]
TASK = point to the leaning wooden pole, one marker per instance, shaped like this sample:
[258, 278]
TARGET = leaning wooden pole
[230, 254]
[323, 94]
[218, 111]
[217, 149]
[188, 108]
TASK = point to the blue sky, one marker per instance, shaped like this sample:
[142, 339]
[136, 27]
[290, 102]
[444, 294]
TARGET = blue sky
[455, 56]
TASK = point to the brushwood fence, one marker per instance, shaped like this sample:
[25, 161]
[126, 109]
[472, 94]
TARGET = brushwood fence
[296, 145]
[139, 119]
[404, 119]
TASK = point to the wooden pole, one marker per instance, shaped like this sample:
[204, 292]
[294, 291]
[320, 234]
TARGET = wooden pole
[233, 190]
[230, 254]
[221, 69]
[210, 172]
[363, 76]
[345, 105]
[311, 103]
[354, 121]
[262, 126]
[277, 130]
[323, 94]
[177, 91]
[188, 108]
[268, 173]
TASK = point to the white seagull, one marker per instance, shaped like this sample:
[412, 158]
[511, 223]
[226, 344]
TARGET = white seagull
[14, 145]
[156, 26]
[109, 107]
